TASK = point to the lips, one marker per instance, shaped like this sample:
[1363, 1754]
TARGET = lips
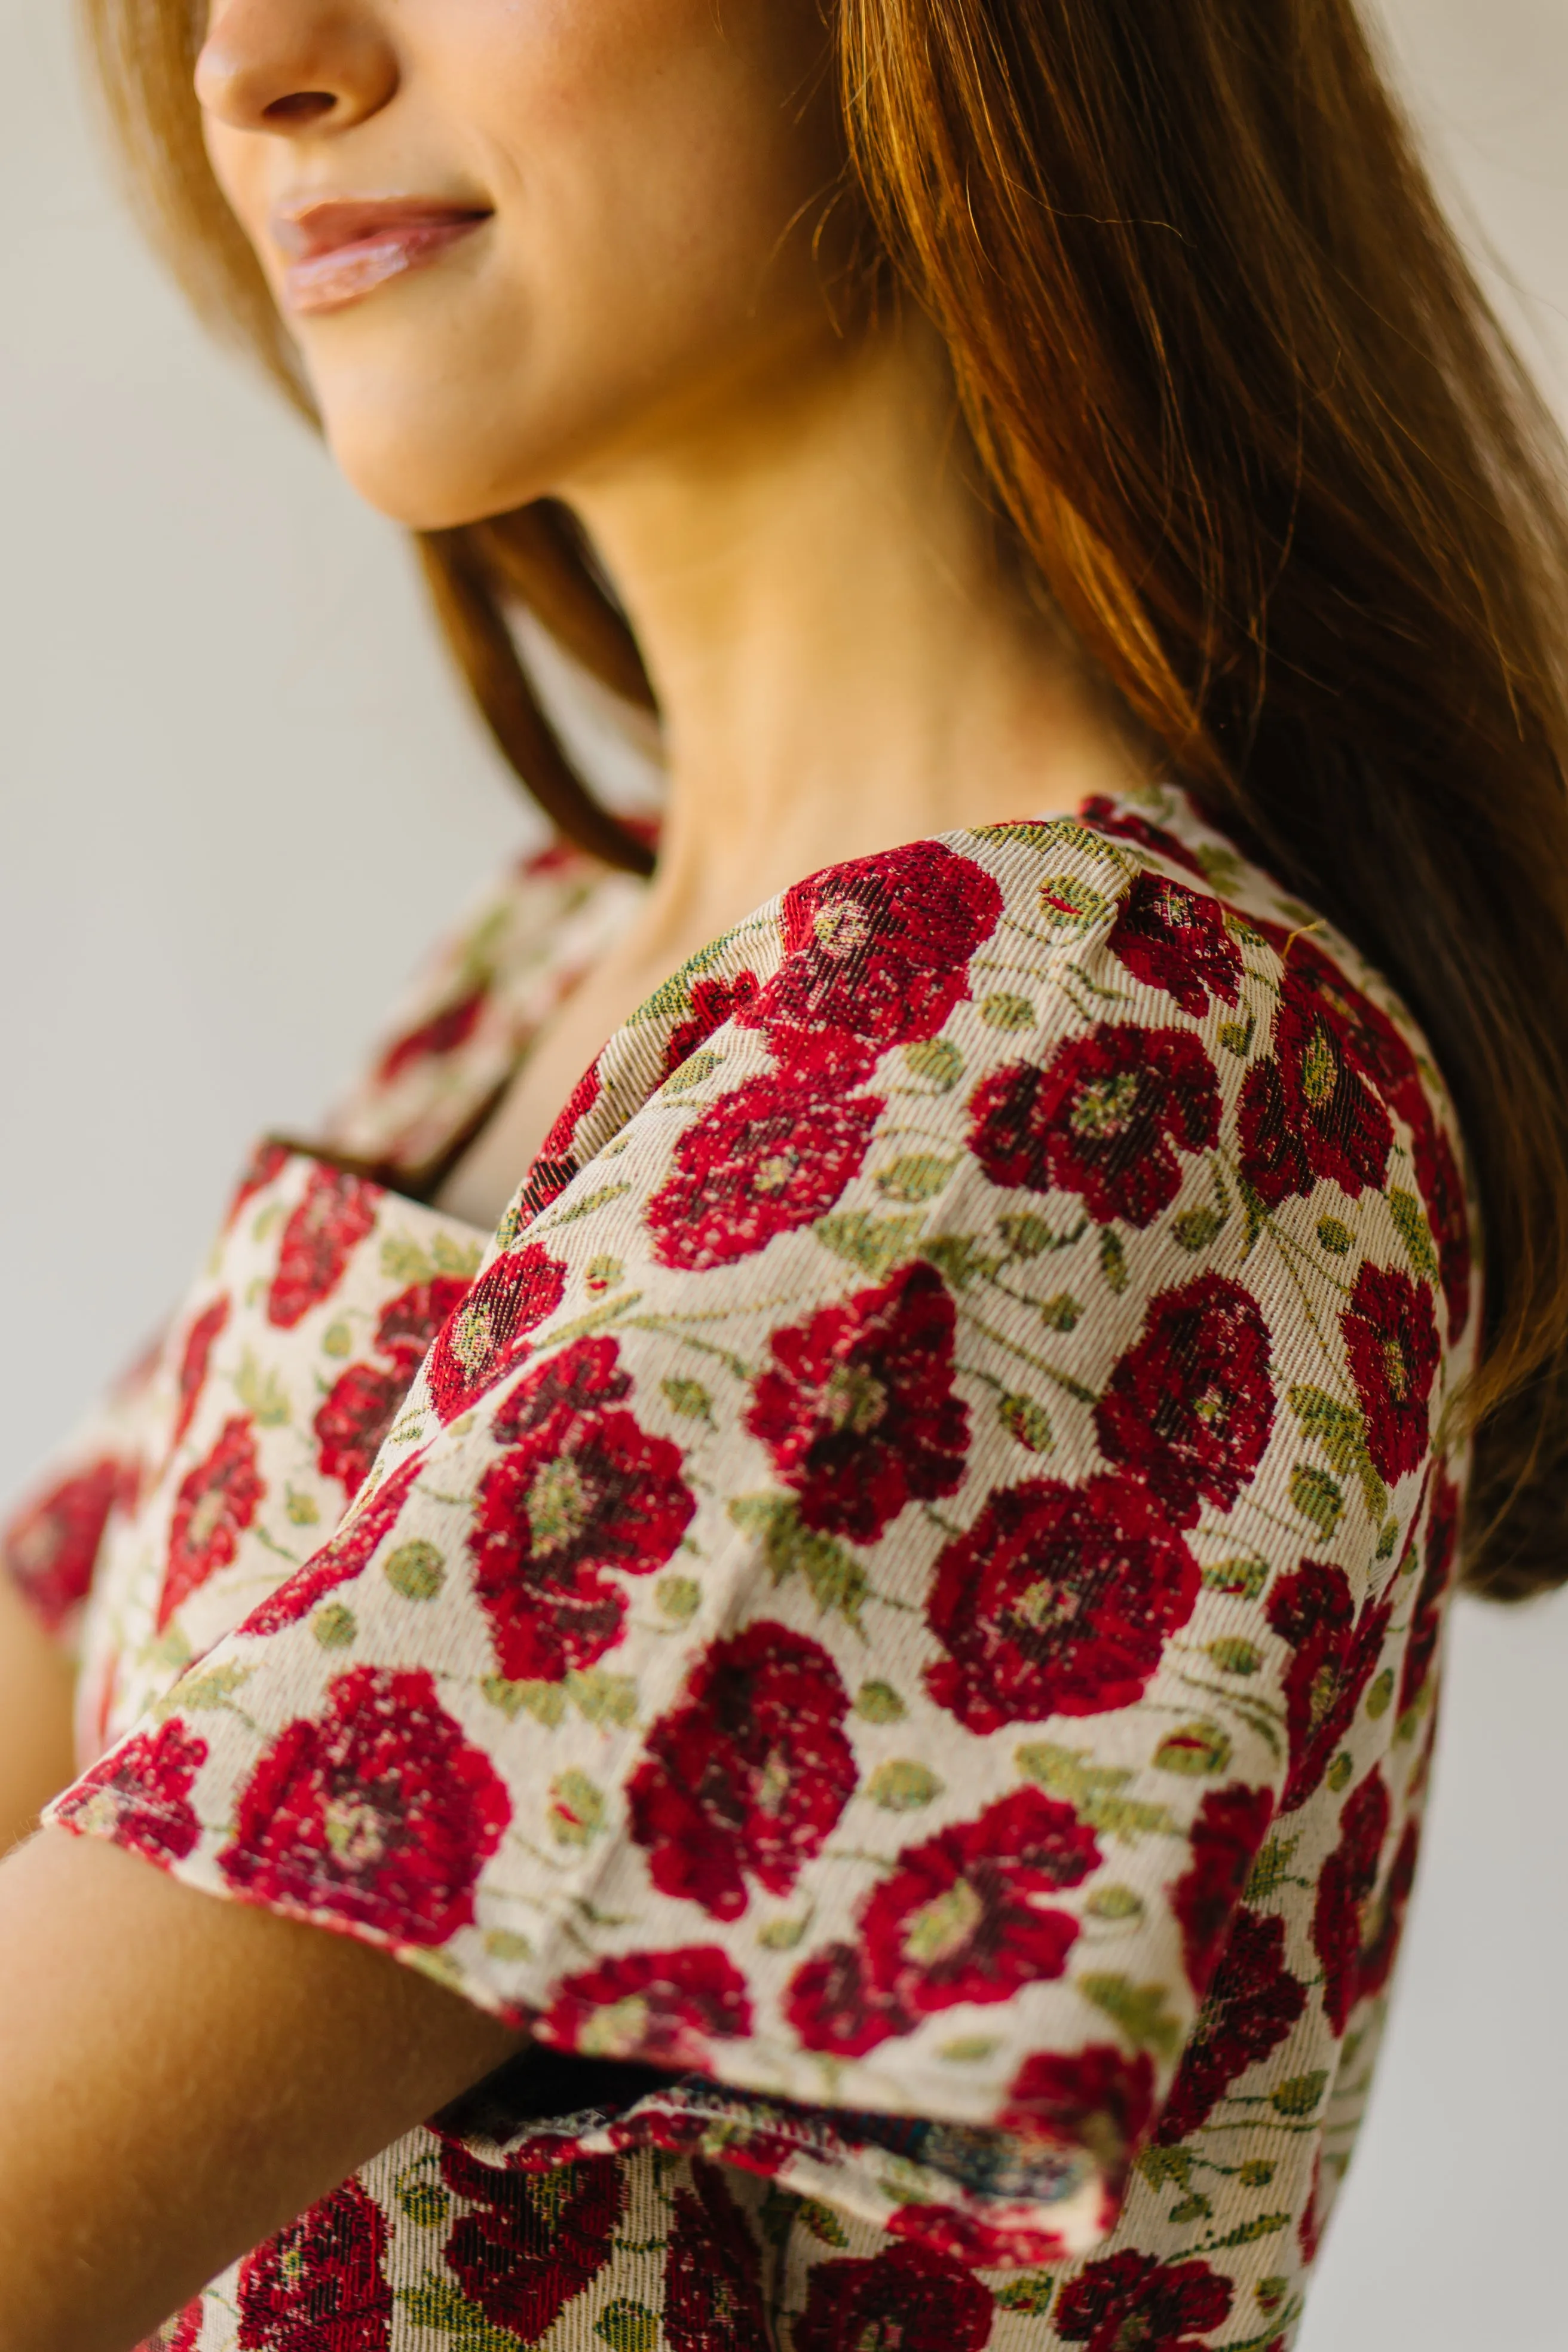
[339, 252]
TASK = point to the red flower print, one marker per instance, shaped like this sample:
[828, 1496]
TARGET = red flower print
[1226, 1838]
[341, 1558]
[1095, 2098]
[1175, 939]
[765, 1158]
[961, 1917]
[876, 953]
[216, 1502]
[1426, 1618]
[180, 2333]
[363, 1402]
[908, 2299]
[1442, 1189]
[748, 1776]
[1335, 1659]
[1253, 2003]
[582, 1489]
[663, 2009]
[152, 1774]
[358, 1411]
[713, 2273]
[267, 1162]
[443, 1033]
[378, 1812]
[1370, 1038]
[858, 1412]
[1191, 1406]
[409, 1322]
[1307, 1114]
[554, 1164]
[531, 2242]
[1390, 1340]
[1344, 1885]
[1131, 2300]
[200, 1340]
[710, 1003]
[51, 1546]
[1011, 2244]
[321, 2284]
[332, 1218]
[1104, 1118]
[1058, 1600]
[1310, 2228]
[1102, 814]
[487, 1336]
[1382, 1922]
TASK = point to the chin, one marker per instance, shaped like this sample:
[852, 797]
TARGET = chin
[423, 487]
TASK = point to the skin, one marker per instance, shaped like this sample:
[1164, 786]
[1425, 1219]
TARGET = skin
[656, 324]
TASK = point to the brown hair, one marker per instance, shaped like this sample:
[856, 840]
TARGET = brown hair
[1252, 419]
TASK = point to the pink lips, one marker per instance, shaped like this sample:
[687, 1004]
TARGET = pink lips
[344, 251]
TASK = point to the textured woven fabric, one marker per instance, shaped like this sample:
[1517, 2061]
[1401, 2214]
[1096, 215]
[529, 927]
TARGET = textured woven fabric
[890, 1612]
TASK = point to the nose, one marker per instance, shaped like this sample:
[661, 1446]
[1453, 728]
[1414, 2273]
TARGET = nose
[293, 66]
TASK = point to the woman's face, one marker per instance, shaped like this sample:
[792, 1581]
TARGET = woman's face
[520, 241]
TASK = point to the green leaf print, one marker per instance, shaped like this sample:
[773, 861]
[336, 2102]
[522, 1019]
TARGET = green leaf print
[1410, 1218]
[877, 1243]
[836, 1579]
[627, 2326]
[1140, 2010]
[1093, 1790]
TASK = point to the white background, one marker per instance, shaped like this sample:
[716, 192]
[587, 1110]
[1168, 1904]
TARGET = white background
[238, 796]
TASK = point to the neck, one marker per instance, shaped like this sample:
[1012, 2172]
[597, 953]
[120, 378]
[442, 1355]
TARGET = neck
[843, 654]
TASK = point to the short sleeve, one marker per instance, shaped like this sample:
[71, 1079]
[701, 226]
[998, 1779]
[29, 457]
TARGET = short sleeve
[818, 1622]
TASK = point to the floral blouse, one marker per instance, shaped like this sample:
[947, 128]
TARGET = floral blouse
[889, 1613]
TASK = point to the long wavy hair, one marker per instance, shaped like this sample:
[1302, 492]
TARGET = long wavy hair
[1249, 416]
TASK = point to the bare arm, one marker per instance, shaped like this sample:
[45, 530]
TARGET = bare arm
[181, 2076]
[35, 1684]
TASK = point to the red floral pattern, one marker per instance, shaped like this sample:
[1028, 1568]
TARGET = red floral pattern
[1426, 1618]
[1133, 2302]
[363, 1402]
[51, 1546]
[1060, 1600]
[1097, 2098]
[1253, 2003]
[1230, 1828]
[1344, 1888]
[1335, 1657]
[443, 1033]
[379, 1812]
[711, 1003]
[664, 2007]
[216, 1502]
[1391, 1340]
[342, 1560]
[749, 1775]
[485, 1337]
[859, 1410]
[1107, 1116]
[1191, 1407]
[908, 2299]
[154, 1774]
[579, 1490]
[766, 1160]
[1176, 940]
[875, 954]
[200, 1341]
[321, 2285]
[712, 2279]
[528, 2243]
[688, 1675]
[336, 1213]
[962, 1918]
[1307, 1113]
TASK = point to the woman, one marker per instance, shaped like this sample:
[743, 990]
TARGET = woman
[804, 1642]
